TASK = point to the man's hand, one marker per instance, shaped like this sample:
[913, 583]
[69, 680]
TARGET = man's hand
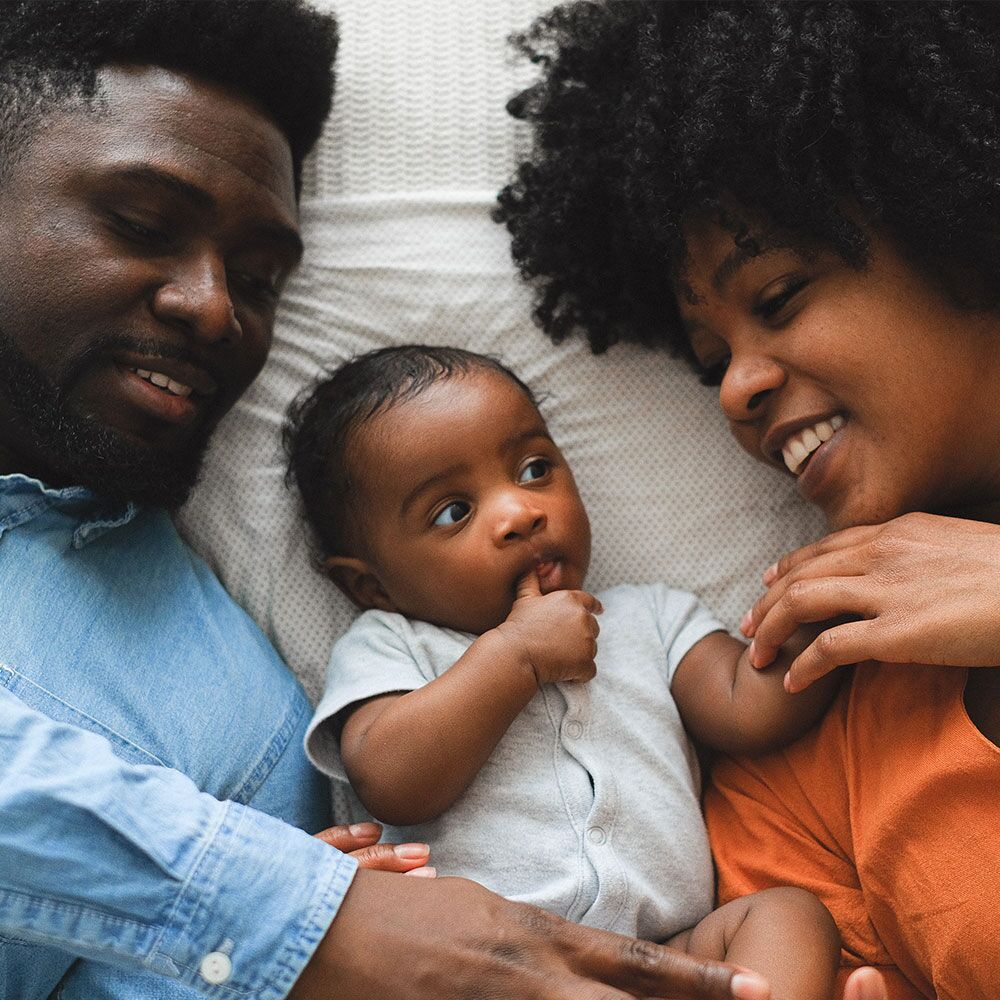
[360, 840]
[449, 939]
[555, 634]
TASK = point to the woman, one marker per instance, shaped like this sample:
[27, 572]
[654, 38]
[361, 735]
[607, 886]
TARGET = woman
[804, 201]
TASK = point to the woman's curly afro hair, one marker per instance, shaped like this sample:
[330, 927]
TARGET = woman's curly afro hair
[278, 53]
[650, 114]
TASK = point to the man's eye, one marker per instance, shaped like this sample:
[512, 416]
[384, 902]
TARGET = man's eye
[260, 288]
[138, 232]
[713, 372]
[534, 470]
[456, 511]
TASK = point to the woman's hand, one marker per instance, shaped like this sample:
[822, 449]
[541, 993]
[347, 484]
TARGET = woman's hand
[918, 589]
[360, 840]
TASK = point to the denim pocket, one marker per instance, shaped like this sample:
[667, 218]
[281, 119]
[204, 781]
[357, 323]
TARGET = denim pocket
[49, 703]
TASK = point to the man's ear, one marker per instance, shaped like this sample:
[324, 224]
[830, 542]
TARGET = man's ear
[358, 582]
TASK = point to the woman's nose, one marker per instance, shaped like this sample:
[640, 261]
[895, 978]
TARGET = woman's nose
[747, 384]
[196, 296]
[517, 518]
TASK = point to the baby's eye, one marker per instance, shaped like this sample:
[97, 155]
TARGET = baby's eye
[533, 470]
[456, 511]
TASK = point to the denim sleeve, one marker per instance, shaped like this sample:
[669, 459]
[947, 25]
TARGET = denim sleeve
[131, 865]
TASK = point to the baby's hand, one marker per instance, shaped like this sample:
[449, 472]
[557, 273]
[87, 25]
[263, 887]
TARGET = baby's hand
[555, 634]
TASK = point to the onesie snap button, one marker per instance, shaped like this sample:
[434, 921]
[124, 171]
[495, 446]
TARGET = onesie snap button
[596, 835]
[574, 730]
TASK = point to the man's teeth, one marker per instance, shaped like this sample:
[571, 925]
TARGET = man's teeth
[164, 382]
[803, 443]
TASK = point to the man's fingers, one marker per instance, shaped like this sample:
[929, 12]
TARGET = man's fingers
[348, 838]
[836, 647]
[528, 585]
[655, 970]
[393, 857]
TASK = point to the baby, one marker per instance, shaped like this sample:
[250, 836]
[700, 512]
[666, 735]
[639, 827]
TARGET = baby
[478, 705]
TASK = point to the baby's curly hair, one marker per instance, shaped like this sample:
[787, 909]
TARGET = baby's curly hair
[650, 114]
[278, 53]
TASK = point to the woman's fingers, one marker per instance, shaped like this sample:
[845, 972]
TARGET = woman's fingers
[836, 647]
[865, 984]
[804, 602]
[360, 840]
[844, 562]
[393, 857]
[833, 542]
[351, 837]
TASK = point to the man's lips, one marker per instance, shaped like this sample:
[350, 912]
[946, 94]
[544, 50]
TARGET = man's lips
[181, 373]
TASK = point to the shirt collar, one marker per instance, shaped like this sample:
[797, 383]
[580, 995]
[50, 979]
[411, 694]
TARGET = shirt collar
[22, 499]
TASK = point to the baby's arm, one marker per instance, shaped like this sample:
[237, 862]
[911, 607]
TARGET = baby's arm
[786, 935]
[410, 756]
[727, 704]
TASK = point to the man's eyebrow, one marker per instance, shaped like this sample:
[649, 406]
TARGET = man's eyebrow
[149, 176]
[425, 484]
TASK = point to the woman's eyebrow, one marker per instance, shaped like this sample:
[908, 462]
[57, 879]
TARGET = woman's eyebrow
[730, 266]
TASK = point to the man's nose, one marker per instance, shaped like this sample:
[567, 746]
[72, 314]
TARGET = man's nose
[196, 296]
[748, 382]
[517, 518]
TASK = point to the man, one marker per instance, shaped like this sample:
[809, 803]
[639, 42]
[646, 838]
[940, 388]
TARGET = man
[153, 790]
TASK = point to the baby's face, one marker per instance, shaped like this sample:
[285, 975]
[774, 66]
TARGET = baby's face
[463, 493]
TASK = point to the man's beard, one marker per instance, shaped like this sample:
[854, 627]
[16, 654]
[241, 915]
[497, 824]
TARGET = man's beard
[78, 451]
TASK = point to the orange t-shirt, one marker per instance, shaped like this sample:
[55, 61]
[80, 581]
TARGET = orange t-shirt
[889, 811]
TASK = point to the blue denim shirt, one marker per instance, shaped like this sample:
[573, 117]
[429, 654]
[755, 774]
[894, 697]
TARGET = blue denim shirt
[147, 729]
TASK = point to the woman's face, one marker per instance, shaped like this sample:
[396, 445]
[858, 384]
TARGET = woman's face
[869, 386]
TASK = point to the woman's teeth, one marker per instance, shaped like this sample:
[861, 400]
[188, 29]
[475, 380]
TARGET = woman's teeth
[804, 442]
[164, 382]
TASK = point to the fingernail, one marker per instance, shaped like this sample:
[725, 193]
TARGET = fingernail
[745, 622]
[787, 683]
[748, 986]
[426, 872]
[410, 852]
[770, 573]
[752, 652]
[365, 830]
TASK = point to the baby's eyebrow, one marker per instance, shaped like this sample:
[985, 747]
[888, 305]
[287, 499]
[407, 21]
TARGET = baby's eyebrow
[425, 484]
[538, 431]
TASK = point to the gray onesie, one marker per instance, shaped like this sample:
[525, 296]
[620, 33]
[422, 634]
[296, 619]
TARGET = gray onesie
[588, 806]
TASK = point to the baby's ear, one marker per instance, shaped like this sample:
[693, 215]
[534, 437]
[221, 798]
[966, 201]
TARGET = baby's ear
[358, 582]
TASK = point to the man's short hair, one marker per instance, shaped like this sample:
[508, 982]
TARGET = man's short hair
[277, 53]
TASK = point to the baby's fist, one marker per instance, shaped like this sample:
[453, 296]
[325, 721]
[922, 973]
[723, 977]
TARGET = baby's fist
[554, 634]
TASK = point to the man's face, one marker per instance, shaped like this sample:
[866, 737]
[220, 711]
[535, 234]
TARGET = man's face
[142, 250]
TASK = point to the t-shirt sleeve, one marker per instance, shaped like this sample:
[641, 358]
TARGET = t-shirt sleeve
[682, 620]
[374, 657]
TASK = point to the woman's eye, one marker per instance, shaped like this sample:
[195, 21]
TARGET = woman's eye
[533, 470]
[456, 511]
[713, 372]
[772, 305]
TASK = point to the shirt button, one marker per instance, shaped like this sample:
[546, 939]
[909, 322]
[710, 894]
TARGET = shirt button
[574, 730]
[215, 967]
[596, 835]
